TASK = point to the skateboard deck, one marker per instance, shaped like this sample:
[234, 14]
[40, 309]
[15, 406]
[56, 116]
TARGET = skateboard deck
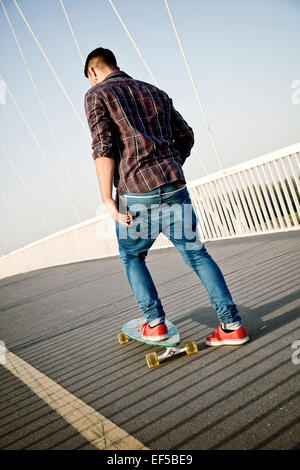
[130, 331]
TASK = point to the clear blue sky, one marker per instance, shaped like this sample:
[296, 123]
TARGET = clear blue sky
[244, 56]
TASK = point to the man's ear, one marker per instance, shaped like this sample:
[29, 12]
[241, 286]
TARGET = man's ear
[93, 72]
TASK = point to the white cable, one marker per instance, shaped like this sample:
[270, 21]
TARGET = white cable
[194, 86]
[28, 233]
[204, 167]
[148, 68]
[72, 30]
[8, 227]
[40, 147]
[134, 43]
[52, 69]
[27, 160]
[136, 48]
[25, 186]
[43, 107]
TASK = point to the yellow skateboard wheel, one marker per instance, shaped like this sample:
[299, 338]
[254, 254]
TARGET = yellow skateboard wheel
[191, 347]
[122, 338]
[152, 360]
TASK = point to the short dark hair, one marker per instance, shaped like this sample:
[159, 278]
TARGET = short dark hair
[105, 54]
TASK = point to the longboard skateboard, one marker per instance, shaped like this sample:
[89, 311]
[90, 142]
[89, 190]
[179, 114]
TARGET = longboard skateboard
[130, 331]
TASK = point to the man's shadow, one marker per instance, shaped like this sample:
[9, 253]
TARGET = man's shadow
[252, 318]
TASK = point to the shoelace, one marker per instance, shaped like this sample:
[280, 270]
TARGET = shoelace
[142, 326]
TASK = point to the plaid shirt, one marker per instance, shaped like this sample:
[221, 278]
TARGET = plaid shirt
[136, 124]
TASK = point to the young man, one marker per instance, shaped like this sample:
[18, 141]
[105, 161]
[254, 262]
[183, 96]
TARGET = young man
[140, 142]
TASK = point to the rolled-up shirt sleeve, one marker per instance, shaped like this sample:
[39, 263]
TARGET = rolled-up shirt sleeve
[101, 126]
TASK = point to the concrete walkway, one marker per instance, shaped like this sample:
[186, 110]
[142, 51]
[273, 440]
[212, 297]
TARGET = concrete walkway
[63, 321]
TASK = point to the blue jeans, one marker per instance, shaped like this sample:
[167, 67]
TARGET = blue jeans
[173, 214]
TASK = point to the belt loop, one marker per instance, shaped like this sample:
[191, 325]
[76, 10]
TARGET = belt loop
[159, 193]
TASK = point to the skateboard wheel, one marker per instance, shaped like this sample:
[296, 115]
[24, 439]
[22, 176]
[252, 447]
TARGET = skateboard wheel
[122, 338]
[152, 360]
[191, 347]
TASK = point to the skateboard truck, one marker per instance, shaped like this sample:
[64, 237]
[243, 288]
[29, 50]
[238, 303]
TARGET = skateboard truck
[153, 360]
[170, 352]
[130, 330]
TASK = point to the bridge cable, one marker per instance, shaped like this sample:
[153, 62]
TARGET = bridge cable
[40, 148]
[134, 43]
[27, 232]
[147, 67]
[43, 109]
[52, 69]
[27, 160]
[194, 86]
[24, 185]
[72, 30]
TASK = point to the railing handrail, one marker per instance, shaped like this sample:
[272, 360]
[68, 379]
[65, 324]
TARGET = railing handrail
[290, 150]
[58, 233]
[268, 157]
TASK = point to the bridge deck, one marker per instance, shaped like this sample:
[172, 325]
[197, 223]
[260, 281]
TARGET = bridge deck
[64, 322]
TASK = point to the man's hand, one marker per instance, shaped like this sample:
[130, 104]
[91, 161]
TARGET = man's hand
[111, 206]
[105, 171]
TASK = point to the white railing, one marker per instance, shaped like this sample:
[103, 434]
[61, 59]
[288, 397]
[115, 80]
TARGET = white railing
[256, 197]
[253, 198]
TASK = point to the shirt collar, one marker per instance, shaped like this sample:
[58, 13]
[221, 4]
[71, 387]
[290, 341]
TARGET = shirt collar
[116, 74]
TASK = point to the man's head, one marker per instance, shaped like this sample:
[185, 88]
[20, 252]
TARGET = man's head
[99, 63]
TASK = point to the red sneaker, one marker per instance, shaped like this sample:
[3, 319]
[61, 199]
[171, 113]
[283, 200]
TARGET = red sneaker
[221, 338]
[158, 333]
